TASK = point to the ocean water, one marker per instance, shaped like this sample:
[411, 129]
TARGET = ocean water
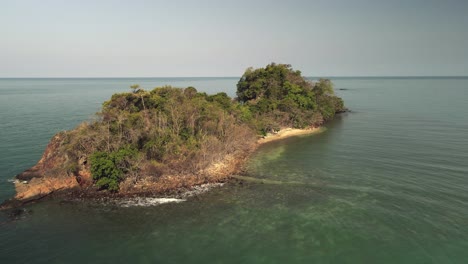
[385, 183]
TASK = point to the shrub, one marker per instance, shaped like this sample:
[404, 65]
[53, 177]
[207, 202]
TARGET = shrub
[108, 168]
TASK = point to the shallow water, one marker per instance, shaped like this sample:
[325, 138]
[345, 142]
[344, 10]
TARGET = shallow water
[386, 183]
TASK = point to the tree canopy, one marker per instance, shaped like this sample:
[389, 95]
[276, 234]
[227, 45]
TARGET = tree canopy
[173, 131]
[279, 96]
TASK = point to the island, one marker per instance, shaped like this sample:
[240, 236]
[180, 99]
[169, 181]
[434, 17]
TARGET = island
[167, 139]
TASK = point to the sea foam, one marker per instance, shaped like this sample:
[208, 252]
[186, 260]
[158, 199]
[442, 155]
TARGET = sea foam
[147, 201]
[153, 201]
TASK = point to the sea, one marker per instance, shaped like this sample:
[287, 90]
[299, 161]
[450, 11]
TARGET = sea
[386, 182]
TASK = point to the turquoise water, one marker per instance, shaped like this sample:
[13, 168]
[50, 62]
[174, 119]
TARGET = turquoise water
[386, 183]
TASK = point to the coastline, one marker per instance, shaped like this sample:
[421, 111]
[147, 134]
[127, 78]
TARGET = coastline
[170, 186]
[219, 171]
[289, 132]
[231, 164]
[215, 175]
[168, 140]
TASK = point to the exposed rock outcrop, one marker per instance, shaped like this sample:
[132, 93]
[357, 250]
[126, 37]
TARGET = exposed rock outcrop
[46, 176]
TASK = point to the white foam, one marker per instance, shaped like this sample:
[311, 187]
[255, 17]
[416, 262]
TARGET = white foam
[147, 201]
[153, 201]
[16, 181]
[196, 190]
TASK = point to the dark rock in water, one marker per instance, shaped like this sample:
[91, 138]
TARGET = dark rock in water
[10, 203]
[343, 89]
[346, 110]
[17, 212]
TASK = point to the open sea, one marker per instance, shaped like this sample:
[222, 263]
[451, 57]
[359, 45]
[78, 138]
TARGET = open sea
[385, 183]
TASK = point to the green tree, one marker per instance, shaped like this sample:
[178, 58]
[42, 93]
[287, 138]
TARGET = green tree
[108, 168]
[135, 88]
[280, 95]
[323, 87]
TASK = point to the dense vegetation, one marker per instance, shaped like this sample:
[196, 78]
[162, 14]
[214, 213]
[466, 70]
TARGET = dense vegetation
[278, 96]
[172, 131]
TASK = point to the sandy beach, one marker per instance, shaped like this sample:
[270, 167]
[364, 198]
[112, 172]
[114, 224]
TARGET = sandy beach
[288, 132]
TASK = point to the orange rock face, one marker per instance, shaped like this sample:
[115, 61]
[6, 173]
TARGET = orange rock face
[39, 187]
[48, 175]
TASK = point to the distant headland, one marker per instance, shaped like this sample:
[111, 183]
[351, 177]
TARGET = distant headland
[168, 139]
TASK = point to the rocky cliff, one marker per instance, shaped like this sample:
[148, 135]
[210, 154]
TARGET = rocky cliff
[49, 174]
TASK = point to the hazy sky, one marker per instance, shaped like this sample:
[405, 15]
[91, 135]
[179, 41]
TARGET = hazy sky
[103, 38]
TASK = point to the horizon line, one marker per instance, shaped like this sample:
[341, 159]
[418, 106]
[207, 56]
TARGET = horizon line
[307, 76]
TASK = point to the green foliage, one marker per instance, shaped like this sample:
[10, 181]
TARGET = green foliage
[274, 82]
[182, 130]
[324, 87]
[176, 131]
[190, 92]
[108, 168]
[280, 96]
[245, 115]
[135, 88]
[222, 99]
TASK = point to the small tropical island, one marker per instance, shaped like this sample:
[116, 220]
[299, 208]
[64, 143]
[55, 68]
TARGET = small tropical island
[168, 139]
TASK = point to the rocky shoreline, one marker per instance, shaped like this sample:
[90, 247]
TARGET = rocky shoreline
[31, 186]
[170, 140]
